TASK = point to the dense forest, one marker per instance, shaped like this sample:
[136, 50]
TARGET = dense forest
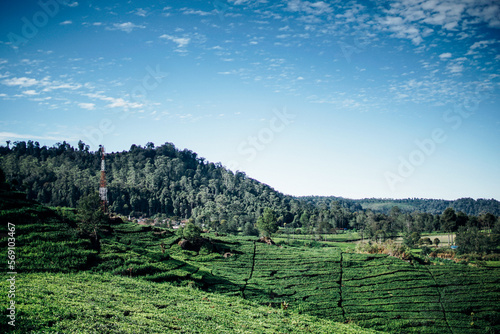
[164, 181]
[468, 206]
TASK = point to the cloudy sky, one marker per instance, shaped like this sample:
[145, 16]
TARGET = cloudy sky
[358, 99]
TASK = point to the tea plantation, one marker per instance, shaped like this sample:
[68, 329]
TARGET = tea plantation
[141, 281]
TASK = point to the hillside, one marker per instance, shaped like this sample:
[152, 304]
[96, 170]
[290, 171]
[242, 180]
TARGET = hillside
[142, 181]
[141, 278]
[63, 285]
[87, 303]
[167, 185]
[166, 181]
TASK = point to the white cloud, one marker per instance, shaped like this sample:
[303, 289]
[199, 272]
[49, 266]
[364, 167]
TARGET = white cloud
[445, 55]
[449, 15]
[22, 82]
[181, 41]
[67, 22]
[88, 106]
[311, 8]
[455, 68]
[188, 11]
[73, 4]
[486, 11]
[401, 29]
[481, 44]
[478, 46]
[126, 27]
[242, 2]
[30, 92]
[11, 135]
[59, 85]
[141, 12]
[115, 102]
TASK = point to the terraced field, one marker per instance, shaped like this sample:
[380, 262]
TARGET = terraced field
[307, 280]
[374, 291]
[388, 293]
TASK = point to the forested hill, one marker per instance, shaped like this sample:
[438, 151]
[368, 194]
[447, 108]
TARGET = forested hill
[434, 206]
[143, 181]
[166, 181]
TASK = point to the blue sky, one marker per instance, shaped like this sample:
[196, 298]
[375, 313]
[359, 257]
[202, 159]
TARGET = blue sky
[358, 99]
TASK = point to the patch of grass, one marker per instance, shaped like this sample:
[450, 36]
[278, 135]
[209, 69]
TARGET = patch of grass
[89, 303]
[142, 281]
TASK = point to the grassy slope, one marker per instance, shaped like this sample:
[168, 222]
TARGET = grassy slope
[374, 291]
[53, 294]
[105, 303]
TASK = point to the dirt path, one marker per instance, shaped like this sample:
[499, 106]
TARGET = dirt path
[251, 270]
[340, 285]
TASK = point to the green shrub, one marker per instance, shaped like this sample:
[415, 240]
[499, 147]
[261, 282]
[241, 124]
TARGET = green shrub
[492, 257]
[425, 250]
[250, 230]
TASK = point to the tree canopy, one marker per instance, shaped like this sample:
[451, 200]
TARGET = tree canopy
[267, 223]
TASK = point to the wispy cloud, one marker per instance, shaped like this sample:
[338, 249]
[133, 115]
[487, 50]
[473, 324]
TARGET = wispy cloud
[445, 56]
[22, 82]
[311, 8]
[88, 106]
[181, 41]
[141, 12]
[189, 11]
[115, 102]
[126, 27]
[401, 29]
[67, 22]
[11, 135]
[414, 20]
[52, 85]
[473, 50]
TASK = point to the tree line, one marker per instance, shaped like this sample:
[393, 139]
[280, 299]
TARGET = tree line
[163, 181]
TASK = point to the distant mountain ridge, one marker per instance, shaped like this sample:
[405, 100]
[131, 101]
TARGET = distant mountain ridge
[434, 206]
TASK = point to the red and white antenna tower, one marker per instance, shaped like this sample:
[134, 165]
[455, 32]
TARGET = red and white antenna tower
[103, 190]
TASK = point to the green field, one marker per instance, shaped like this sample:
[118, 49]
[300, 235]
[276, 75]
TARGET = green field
[105, 303]
[142, 281]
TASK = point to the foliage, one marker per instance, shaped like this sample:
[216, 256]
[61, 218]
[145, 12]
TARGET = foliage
[425, 251]
[437, 241]
[389, 248]
[267, 223]
[90, 214]
[472, 240]
[250, 230]
[433, 206]
[425, 241]
[142, 181]
[411, 239]
[191, 232]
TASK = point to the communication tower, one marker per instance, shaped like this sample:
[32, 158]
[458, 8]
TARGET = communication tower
[103, 190]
